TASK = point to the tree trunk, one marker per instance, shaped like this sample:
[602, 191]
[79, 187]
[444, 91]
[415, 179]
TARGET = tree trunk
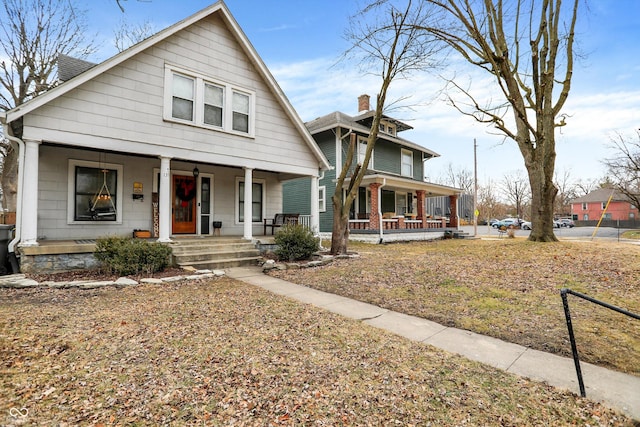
[340, 232]
[9, 180]
[543, 194]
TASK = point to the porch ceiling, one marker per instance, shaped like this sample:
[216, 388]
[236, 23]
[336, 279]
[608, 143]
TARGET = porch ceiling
[399, 183]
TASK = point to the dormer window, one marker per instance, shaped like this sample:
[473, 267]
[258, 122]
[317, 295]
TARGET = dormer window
[387, 128]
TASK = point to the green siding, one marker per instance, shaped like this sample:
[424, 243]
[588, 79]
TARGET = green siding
[296, 196]
[387, 157]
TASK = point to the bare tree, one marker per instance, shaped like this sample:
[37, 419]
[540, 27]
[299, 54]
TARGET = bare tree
[515, 188]
[128, 34]
[459, 178]
[488, 204]
[395, 49]
[527, 46]
[32, 35]
[624, 167]
[586, 186]
[567, 191]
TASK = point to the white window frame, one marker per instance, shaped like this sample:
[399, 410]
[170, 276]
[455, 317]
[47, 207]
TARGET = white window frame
[322, 198]
[71, 191]
[237, 198]
[198, 114]
[362, 151]
[584, 206]
[404, 152]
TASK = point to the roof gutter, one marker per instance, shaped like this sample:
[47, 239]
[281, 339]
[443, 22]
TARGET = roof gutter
[20, 146]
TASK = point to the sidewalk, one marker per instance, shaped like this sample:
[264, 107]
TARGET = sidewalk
[614, 389]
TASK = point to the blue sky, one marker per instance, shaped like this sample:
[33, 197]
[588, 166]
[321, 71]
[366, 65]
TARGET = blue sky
[301, 41]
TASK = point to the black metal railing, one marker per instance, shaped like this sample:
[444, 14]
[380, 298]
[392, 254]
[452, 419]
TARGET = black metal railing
[567, 314]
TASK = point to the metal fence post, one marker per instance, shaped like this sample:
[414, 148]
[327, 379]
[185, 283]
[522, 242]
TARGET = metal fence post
[574, 348]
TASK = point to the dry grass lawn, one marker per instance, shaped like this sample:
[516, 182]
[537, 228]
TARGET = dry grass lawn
[506, 288]
[222, 352]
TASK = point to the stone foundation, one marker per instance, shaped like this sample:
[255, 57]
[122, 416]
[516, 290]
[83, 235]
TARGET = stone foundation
[56, 263]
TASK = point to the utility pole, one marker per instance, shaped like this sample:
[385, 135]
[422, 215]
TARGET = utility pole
[475, 188]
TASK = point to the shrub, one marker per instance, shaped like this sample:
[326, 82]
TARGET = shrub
[126, 256]
[295, 242]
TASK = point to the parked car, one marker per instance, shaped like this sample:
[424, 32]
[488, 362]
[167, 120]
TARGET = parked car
[566, 222]
[527, 225]
[493, 221]
[507, 222]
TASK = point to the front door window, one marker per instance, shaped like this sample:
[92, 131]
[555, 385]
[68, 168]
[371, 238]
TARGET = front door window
[184, 204]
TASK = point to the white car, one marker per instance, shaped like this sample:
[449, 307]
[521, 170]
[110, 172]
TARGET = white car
[527, 225]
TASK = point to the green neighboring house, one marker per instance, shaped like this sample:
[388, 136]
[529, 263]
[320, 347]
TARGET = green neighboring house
[392, 196]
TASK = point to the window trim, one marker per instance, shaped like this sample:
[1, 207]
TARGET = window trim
[71, 190]
[199, 104]
[364, 141]
[322, 198]
[403, 152]
[237, 199]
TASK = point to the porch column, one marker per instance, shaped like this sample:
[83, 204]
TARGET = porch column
[315, 208]
[420, 213]
[374, 215]
[164, 200]
[29, 209]
[248, 203]
[453, 218]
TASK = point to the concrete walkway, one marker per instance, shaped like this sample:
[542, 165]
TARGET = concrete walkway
[614, 389]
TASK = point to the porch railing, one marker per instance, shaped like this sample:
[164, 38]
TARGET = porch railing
[398, 224]
[305, 220]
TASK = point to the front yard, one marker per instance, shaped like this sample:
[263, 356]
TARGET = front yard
[222, 352]
[507, 288]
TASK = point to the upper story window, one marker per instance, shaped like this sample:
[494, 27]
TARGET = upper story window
[584, 206]
[213, 104]
[362, 152]
[407, 163]
[388, 128]
[206, 102]
[183, 97]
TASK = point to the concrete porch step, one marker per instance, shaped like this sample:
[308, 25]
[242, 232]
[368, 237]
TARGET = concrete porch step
[212, 255]
[214, 252]
[222, 263]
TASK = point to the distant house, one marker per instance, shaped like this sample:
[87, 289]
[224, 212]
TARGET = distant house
[592, 206]
[392, 196]
[182, 131]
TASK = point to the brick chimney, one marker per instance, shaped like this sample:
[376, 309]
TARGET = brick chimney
[363, 104]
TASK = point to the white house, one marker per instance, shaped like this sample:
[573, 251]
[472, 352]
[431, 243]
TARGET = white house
[182, 129]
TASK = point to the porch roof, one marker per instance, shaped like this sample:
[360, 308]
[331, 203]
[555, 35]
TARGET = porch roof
[397, 182]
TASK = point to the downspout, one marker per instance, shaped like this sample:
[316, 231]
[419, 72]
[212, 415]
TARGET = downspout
[384, 182]
[16, 238]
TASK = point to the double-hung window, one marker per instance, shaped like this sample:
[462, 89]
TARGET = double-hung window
[257, 198]
[362, 152]
[206, 102]
[407, 163]
[213, 104]
[183, 97]
[240, 112]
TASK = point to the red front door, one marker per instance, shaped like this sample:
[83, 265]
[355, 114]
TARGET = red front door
[183, 217]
